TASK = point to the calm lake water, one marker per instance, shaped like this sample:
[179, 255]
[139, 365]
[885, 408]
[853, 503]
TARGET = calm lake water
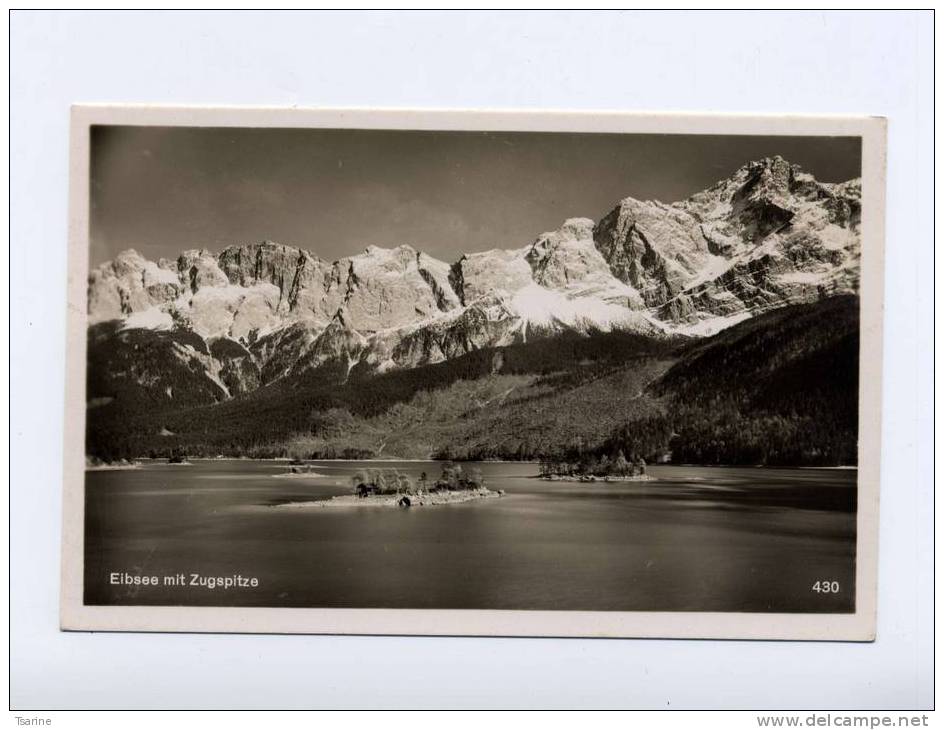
[698, 539]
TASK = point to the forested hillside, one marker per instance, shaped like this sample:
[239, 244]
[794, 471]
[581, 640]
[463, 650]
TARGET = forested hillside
[128, 419]
[780, 388]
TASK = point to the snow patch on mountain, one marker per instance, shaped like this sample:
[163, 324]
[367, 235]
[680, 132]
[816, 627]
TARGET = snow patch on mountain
[491, 271]
[540, 306]
[149, 319]
[708, 325]
[767, 236]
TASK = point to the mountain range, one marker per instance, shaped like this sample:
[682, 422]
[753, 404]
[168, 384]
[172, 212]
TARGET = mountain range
[267, 319]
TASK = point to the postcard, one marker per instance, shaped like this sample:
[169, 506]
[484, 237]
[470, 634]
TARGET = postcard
[473, 373]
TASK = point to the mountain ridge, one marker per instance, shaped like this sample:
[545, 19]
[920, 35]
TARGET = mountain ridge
[768, 236]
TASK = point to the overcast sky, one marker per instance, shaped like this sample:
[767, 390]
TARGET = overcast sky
[161, 190]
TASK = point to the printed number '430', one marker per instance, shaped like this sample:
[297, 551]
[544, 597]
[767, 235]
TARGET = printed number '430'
[826, 586]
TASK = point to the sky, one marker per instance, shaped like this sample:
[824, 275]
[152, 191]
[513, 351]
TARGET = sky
[163, 190]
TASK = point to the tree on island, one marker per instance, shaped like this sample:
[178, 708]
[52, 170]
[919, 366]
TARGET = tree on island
[450, 477]
[381, 482]
[620, 467]
[588, 465]
[453, 478]
[393, 482]
[604, 466]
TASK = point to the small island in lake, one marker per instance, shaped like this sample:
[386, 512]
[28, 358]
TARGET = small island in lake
[393, 488]
[178, 458]
[300, 470]
[94, 464]
[592, 469]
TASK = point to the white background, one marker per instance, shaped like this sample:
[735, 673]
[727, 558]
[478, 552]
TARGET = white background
[843, 63]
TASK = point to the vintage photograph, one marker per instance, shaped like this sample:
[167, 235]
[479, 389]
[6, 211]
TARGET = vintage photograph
[490, 370]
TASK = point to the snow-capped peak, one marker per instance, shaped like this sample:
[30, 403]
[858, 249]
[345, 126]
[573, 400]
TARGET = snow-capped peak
[767, 236]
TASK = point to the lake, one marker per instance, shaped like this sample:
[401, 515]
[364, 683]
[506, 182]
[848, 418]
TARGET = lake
[697, 539]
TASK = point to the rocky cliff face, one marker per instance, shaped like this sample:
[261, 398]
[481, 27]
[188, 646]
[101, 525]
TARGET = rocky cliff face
[768, 236]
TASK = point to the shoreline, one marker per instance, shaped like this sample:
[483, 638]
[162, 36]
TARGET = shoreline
[146, 460]
[112, 467]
